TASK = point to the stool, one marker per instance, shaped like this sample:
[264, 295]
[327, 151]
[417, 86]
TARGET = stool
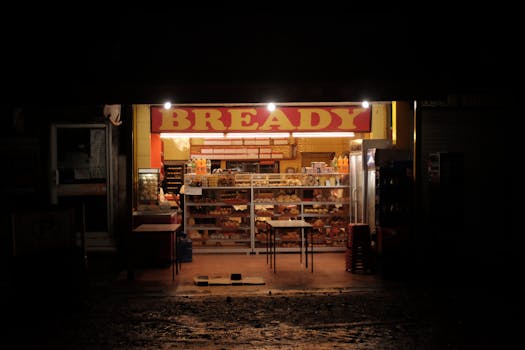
[358, 256]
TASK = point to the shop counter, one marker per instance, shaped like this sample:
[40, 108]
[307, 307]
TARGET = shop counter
[154, 217]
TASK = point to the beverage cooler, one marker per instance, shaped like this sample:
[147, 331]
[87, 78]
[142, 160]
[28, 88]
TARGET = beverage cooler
[389, 205]
[359, 175]
[389, 188]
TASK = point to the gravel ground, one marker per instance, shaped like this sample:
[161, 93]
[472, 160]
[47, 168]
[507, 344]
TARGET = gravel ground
[397, 318]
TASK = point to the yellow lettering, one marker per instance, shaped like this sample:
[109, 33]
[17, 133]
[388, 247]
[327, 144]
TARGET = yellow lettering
[241, 119]
[307, 114]
[278, 119]
[208, 116]
[174, 119]
[347, 117]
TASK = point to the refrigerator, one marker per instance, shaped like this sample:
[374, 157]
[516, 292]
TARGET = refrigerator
[389, 207]
[359, 175]
[389, 189]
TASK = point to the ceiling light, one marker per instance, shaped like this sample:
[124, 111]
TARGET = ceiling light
[251, 135]
[323, 134]
[188, 135]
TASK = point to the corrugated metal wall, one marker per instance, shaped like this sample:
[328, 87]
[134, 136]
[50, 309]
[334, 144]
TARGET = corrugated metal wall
[465, 226]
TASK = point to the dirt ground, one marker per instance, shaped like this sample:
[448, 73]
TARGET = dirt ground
[486, 313]
[396, 318]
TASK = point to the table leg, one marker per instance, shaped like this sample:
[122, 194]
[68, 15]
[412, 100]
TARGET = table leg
[173, 261]
[274, 250]
[177, 254]
[270, 249]
[306, 250]
[312, 244]
[268, 233]
[301, 247]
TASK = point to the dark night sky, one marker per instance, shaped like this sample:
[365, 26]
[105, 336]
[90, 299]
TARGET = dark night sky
[134, 54]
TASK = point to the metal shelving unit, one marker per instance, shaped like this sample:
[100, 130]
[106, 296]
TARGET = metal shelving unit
[320, 199]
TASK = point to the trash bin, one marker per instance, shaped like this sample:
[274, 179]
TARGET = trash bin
[185, 250]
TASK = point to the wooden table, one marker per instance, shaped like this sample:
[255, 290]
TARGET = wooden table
[275, 226]
[170, 229]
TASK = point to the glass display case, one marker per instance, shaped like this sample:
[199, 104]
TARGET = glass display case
[148, 186]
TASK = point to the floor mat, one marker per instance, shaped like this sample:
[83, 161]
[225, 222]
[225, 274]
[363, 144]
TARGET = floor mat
[233, 280]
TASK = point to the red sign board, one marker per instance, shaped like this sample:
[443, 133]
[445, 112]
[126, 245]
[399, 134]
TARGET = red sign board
[260, 119]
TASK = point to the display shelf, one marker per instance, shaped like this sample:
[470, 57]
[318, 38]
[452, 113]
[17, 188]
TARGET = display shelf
[219, 218]
[269, 180]
[247, 205]
[173, 176]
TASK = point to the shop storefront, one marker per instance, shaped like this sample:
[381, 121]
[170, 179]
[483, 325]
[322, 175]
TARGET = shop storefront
[245, 164]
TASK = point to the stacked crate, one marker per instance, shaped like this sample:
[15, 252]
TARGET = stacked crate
[359, 253]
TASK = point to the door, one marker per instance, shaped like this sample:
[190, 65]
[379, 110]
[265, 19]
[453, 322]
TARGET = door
[362, 181]
[81, 177]
[357, 176]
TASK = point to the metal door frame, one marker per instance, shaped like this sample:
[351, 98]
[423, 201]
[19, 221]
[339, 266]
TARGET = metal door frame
[109, 169]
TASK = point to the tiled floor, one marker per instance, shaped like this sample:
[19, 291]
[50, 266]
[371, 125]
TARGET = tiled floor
[291, 274]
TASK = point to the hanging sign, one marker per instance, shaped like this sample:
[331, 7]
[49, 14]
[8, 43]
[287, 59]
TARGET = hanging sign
[260, 119]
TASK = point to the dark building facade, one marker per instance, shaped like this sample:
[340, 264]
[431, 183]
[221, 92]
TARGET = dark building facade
[457, 86]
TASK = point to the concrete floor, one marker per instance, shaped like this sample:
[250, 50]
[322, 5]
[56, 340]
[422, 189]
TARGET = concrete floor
[329, 273]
